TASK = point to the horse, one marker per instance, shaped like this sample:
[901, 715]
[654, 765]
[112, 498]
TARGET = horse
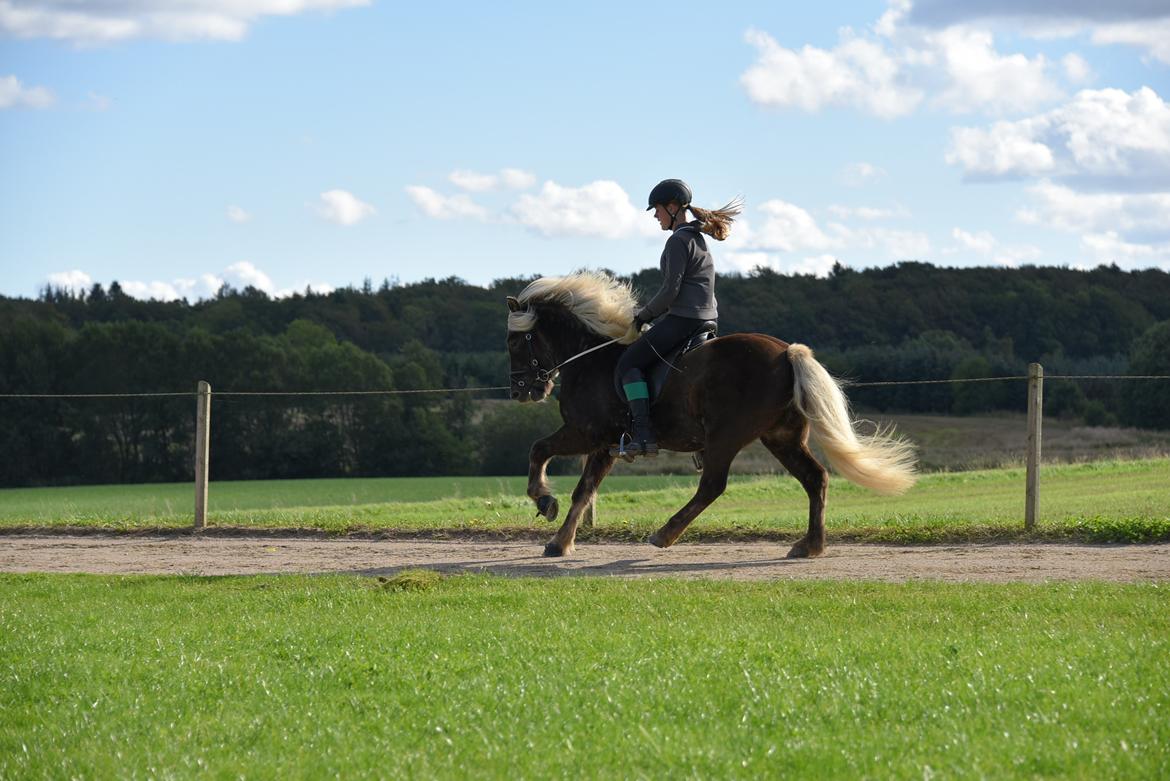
[727, 393]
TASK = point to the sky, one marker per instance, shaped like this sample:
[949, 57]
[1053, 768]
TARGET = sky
[178, 145]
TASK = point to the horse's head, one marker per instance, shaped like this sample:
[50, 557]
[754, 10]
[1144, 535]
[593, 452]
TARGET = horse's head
[530, 360]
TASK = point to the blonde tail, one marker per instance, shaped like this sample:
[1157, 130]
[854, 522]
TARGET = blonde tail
[878, 461]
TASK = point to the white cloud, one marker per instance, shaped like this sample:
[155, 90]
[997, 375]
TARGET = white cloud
[470, 180]
[866, 212]
[244, 274]
[982, 79]
[817, 265]
[1007, 148]
[1101, 134]
[150, 291]
[895, 244]
[1153, 36]
[510, 178]
[746, 262]
[237, 215]
[239, 275]
[118, 20]
[1076, 68]
[855, 73]
[789, 228]
[1109, 247]
[600, 208]
[343, 208]
[516, 179]
[445, 207]
[75, 280]
[13, 94]
[891, 72]
[1131, 214]
[858, 174]
[982, 242]
[1142, 23]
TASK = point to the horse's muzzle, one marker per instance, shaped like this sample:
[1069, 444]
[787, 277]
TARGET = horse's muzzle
[534, 392]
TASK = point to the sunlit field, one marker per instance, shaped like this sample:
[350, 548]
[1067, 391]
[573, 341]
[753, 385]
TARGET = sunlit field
[1109, 501]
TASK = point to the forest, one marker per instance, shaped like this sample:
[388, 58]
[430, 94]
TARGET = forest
[909, 321]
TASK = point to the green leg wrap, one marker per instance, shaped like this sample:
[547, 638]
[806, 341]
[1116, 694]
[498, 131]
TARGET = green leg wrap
[636, 390]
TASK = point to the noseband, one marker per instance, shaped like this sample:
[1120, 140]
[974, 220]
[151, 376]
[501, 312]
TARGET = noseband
[544, 375]
[540, 375]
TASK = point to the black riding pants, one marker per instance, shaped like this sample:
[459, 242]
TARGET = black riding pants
[662, 337]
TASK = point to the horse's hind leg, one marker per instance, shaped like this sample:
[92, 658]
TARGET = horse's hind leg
[716, 464]
[792, 451]
[597, 466]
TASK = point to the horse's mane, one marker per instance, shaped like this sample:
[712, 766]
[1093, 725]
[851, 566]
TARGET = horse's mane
[602, 304]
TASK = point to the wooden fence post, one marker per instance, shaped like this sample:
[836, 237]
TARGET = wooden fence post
[587, 514]
[1035, 418]
[202, 451]
[590, 511]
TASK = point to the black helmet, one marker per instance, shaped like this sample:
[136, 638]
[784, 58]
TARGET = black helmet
[670, 190]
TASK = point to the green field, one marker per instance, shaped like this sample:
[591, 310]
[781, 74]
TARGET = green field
[298, 677]
[1105, 501]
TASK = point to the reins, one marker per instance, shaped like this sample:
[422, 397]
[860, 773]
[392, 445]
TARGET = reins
[544, 375]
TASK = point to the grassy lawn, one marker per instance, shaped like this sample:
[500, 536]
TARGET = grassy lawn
[297, 677]
[1114, 501]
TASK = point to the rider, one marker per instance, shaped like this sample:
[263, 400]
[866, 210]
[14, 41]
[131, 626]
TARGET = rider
[687, 297]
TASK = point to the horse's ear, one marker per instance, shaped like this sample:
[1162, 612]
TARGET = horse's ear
[513, 304]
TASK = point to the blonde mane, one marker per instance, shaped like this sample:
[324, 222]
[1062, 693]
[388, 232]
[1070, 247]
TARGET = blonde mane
[602, 304]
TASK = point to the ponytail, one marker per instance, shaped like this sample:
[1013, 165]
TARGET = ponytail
[717, 222]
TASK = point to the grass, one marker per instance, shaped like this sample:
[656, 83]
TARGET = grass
[1118, 501]
[299, 677]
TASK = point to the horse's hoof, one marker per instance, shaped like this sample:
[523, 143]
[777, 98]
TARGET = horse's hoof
[555, 550]
[548, 507]
[657, 540]
[803, 550]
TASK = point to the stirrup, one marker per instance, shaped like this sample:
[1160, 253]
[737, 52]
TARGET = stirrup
[620, 451]
[629, 448]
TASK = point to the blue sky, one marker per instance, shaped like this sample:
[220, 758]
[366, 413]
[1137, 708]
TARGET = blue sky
[287, 143]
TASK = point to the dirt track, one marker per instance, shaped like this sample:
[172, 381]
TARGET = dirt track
[738, 561]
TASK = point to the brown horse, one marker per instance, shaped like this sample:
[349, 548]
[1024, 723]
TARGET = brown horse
[728, 393]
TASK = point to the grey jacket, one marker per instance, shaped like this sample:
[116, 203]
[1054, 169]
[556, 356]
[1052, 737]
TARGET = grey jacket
[688, 278]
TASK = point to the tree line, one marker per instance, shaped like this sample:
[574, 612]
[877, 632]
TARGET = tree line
[910, 321]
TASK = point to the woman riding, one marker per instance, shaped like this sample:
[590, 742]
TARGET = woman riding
[687, 297]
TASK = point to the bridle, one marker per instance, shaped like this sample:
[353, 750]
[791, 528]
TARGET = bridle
[544, 375]
[539, 374]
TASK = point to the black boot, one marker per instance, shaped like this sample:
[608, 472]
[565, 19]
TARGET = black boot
[644, 443]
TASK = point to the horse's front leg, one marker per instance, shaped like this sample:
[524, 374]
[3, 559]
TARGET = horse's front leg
[597, 466]
[566, 441]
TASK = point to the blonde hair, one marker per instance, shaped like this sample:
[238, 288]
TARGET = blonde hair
[717, 222]
[602, 304]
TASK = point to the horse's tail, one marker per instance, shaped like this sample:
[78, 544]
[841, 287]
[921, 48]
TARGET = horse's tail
[879, 461]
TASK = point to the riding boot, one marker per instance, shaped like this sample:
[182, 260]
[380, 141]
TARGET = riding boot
[638, 397]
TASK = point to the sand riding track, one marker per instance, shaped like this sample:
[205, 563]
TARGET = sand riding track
[243, 555]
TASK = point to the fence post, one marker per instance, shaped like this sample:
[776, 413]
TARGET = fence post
[202, 451]
[1035, 418]
[587, 514]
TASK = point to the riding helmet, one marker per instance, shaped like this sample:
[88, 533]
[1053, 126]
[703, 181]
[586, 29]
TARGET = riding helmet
[670, 190]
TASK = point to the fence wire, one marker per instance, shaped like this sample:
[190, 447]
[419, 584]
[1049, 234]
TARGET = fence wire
[848, 383]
